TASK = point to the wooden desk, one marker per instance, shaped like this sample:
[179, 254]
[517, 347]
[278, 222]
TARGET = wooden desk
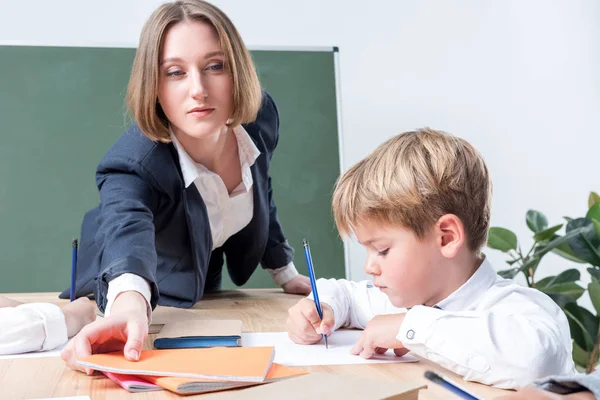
[261, 310]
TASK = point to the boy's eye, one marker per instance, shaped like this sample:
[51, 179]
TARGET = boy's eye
[383, 252]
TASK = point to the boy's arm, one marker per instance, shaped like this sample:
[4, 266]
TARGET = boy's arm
[31, 327]
[353, 303]
[501, 347]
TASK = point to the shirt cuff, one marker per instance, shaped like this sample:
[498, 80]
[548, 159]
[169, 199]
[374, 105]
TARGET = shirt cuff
[54, 323]
[283, 275]
[125, 283]
[416, 326]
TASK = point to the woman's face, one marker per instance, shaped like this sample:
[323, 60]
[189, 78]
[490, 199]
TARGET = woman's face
[194, 86]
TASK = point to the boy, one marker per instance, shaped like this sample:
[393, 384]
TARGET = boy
[41, 326]
[420, 205]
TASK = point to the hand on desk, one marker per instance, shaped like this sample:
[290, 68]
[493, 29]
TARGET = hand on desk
[125, 329]
[538, 394]
[78, 314]
[304, 325]
[379, 336]
[299, 284]
[6, 302]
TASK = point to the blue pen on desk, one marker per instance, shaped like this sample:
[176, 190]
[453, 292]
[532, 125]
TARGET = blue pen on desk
[72, 288]
[313, 283]
[457, 390]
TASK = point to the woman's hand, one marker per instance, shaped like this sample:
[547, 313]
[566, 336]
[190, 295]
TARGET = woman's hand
[299, 284]
[125, 329]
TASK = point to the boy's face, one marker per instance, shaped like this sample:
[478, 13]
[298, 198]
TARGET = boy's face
[405, 268]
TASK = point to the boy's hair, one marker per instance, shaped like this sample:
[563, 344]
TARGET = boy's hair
[413, 179]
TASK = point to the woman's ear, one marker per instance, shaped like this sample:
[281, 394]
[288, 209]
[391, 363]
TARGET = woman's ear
[451, 233]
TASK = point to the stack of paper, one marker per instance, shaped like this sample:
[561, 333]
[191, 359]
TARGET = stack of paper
[188, 371]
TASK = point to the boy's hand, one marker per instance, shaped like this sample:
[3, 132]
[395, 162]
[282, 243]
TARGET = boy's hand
[78, 314]
[379, 336]
[304, 325]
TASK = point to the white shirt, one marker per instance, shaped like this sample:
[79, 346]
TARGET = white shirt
[227, 213]
[490, 330]
[31, 327]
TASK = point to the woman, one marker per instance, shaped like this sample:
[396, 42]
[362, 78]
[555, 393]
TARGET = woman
[187, 186]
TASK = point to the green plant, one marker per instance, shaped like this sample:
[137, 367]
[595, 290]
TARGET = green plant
[579, 243]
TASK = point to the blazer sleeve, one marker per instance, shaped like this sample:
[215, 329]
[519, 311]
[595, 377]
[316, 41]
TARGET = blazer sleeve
[125, 235]
[278, 253]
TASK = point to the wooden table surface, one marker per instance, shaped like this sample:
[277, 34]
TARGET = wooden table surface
[260, 310]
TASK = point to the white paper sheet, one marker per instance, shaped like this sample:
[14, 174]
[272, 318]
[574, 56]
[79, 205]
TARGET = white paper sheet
[338, 353]
[67, 398]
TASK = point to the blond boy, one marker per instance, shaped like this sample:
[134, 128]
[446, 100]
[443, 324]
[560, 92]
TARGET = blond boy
[420, 205]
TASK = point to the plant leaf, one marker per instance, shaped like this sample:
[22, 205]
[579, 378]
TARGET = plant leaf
[571, 289]
[547, 233]
[508, 273]
[579, 332]
[536, 221]
[594, 292]
[502, 239]
[594, 212]
[593, 199]
[566, 252]
[585, 242]
[568, 219]
[570, 275]
[594, 272]
[580, 356]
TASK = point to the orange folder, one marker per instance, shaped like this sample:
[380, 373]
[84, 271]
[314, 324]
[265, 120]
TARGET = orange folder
[276, 373]
[246, 364]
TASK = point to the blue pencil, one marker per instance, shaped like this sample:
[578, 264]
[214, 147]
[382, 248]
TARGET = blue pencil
[72, 288]
[457, 390]
[313, 283]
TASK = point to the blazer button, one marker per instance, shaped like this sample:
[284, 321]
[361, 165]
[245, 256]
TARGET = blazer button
[410, 334]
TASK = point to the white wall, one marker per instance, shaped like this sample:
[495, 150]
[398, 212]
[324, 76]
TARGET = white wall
[520, 79]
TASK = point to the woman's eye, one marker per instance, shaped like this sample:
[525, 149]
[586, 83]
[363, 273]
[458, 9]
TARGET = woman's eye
[215, 67]
[175, 73]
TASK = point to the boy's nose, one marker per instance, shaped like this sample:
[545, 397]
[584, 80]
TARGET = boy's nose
[372, 268]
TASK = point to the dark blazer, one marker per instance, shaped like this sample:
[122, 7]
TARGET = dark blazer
[149, 224]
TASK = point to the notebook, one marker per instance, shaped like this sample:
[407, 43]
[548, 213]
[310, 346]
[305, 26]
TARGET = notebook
[186, 386]
[329, 386]
[199, 334]
[247, 364]
[132, 383]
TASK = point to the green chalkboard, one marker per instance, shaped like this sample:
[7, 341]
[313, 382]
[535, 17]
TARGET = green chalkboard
[62, 107]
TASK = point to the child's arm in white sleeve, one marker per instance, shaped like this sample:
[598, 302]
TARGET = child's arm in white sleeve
[353, 303]
[31, 327]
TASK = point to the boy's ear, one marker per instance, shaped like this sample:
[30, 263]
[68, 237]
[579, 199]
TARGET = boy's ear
[451, 233]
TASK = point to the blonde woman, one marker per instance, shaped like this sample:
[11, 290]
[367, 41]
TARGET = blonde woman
[187, 186]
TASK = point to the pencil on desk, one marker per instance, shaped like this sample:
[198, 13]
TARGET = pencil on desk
[313, 284]
[72, 288]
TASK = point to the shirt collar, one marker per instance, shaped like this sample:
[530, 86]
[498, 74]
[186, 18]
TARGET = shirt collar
[463, 297]
[246, 148]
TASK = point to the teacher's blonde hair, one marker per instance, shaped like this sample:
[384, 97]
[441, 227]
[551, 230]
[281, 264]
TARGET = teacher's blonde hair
[142, 92]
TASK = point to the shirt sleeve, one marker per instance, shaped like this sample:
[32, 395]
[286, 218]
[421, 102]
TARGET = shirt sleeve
[572, 383]
[283, 275]
[31, 327]
[504, 349]
[124, 283]
[353, 303]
